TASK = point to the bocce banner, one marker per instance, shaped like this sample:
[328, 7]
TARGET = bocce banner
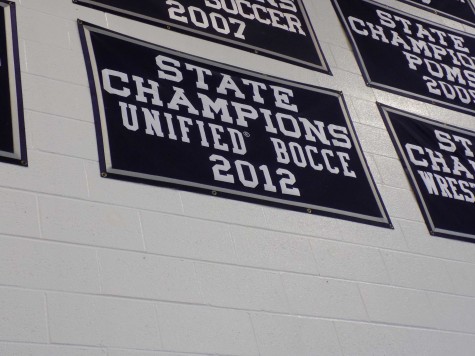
[278, 29]
[12, 131]
[168, 118]
[439, 161]
[410, 56]
[458, 10]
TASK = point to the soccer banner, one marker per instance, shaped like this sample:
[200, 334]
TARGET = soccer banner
[279, 29]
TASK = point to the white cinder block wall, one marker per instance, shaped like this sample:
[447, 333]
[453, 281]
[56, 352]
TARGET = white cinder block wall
[92, 266]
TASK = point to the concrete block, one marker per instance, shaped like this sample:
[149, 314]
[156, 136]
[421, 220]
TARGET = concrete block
[367, 112]
[18, 213]
[401, 203]
[188, 328]
[363, 339]
[453, 313]
[398, 101]
[436, 343]
[349, 261]
[461, 275]
[327, 23]
[47, 173]
[45, 265]
[334, 229]
[345, 60]
[57, 98]
[221, 209]
[48, 350]
[51, 7]
[375, 140]
[273, 250]
[55, 62]
[242, 288]
[100, 321]
[147, 276]
[90, 223]
[122, 352]
[327, 52]
[392, 172]
[134, 195]
[354, 84]
[279, 335]
[405, 307]
[185, 237]
[419, 240]
[320, 297]
[23, 316]
[418, 272]
[43, 28]
[373, 168]
[69, 137]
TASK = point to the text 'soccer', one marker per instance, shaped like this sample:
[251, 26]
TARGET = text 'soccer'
[410, 56]
[439, 161]
[458, 10]
[12, 127]
[279, 29]
[168, 118]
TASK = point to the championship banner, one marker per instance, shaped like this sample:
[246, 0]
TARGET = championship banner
[410, 56]
[279, 29]
[171, 119]
[12, 127]
[439, 161]
[458, 10]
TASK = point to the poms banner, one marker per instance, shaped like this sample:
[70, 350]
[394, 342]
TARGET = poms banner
[439, 161]
[12, 131]
[410, 56]
[168, 118]
[278, 29]
[458, 10]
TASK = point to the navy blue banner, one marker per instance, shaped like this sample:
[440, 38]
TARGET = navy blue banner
[439, 161]
[172, 119]
[278, 29]
[12, 131]
[458, 10]
[410, 56]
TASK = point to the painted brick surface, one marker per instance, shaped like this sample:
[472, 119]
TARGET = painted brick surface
[46, 265]
[17, 349]
[149, 277]
[23, 316]
[279, 335]
[42, 176]
[417, 272]
[206, 330]
[323, 297]
[398, 306]
[364, 264]
[242, 288]
[366, 339]
[18, 213]
[184, 237]
[138, 196]
[90, 223]
[99, 321]
[80, 141]
[273, 250]
[100, 267]
[119, 352]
